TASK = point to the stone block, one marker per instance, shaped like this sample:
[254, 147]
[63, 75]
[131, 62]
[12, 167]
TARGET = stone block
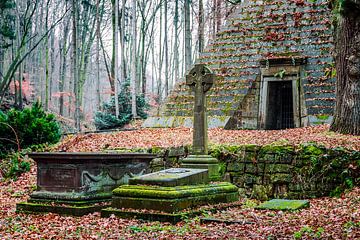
[284, 204]
[172, 199]
[235, 167]
[172, 177]
[278, 168]
[261, 192]
[250, 157]
[280, 178]
[257, 169]
[283, 158]
[247, 180]
[203, 162]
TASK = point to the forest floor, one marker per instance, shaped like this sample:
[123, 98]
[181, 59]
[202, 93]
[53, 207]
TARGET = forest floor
[327, 218]
[173, 137]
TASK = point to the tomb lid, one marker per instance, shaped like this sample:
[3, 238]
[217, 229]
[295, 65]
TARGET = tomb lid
[172, 177]
[88, 156]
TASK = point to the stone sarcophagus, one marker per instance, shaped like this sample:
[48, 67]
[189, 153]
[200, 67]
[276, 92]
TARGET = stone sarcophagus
[79, 179]
[86, 175]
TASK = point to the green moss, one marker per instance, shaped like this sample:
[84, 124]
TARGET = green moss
[284, 204]
[173, 192]
[323, 117]
[277, 149]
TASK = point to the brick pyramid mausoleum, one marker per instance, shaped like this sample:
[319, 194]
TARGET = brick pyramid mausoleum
[274, 70]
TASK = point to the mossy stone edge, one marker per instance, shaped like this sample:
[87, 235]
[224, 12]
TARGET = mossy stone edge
[74, 209]
[283, 204]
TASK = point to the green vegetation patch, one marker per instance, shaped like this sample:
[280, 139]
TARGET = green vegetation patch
[284, 204]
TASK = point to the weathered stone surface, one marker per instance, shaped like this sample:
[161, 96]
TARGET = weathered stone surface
[254, 168]
[261, 192]
[200, 79]
[278, 168]
[236, 167]
[284, 204]
[74, 208]
[81, 183]
[172, 199]
[86, 175]
[173, 177]
[203, 162]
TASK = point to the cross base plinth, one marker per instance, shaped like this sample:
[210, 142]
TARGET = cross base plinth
[203, 162]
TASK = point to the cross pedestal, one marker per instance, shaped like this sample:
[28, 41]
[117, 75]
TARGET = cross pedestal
[200, 79]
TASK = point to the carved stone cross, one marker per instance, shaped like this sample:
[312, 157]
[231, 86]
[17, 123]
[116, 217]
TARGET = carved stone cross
[200, 79]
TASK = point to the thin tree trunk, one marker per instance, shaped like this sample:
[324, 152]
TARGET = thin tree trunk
[176, 42]
[116, 57]
[201, 26]
[188, 57]
[63, 65]
[159, 87]
[75, 66]
[98, 97]
[166, 48]
[47, 81]
[133, 63]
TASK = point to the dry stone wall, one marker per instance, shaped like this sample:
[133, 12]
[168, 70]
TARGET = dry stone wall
[273, 171]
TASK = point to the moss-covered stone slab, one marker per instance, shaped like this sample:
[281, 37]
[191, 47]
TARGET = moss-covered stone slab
[173, 199]
[163, 216]
[76, 208]
[284, 204]
[151, 216]
[203, 162]
[172, 177]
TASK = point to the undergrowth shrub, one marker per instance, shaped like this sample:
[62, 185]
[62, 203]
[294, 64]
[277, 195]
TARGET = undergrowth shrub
[31, 126]
[13, 165]
[106, 118]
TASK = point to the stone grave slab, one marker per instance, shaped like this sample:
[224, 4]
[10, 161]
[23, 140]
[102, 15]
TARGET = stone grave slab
[172, 199]
[172, 177]
[79, 183]
[284, 204]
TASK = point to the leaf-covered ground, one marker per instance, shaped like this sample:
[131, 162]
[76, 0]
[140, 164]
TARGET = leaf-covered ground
[165, 137]
[327, 218]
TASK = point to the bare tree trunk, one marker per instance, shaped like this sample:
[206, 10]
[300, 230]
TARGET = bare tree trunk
[133, 63]
[347, 111]
[122, 43]
[98, 97]
[218, 15]
[47, 81]
[64, 51]
[159, 85]
[116, 57]
[176, 42]
[111, 80]
[166, 48]
[201, 27]
[75, 66]
[188, 57]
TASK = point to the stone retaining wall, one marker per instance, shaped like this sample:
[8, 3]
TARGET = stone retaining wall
[271, 171]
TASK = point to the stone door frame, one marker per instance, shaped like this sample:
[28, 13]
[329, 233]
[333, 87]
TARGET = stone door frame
[292, 73]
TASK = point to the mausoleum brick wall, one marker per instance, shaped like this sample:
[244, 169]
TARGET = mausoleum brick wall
[259, 30]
